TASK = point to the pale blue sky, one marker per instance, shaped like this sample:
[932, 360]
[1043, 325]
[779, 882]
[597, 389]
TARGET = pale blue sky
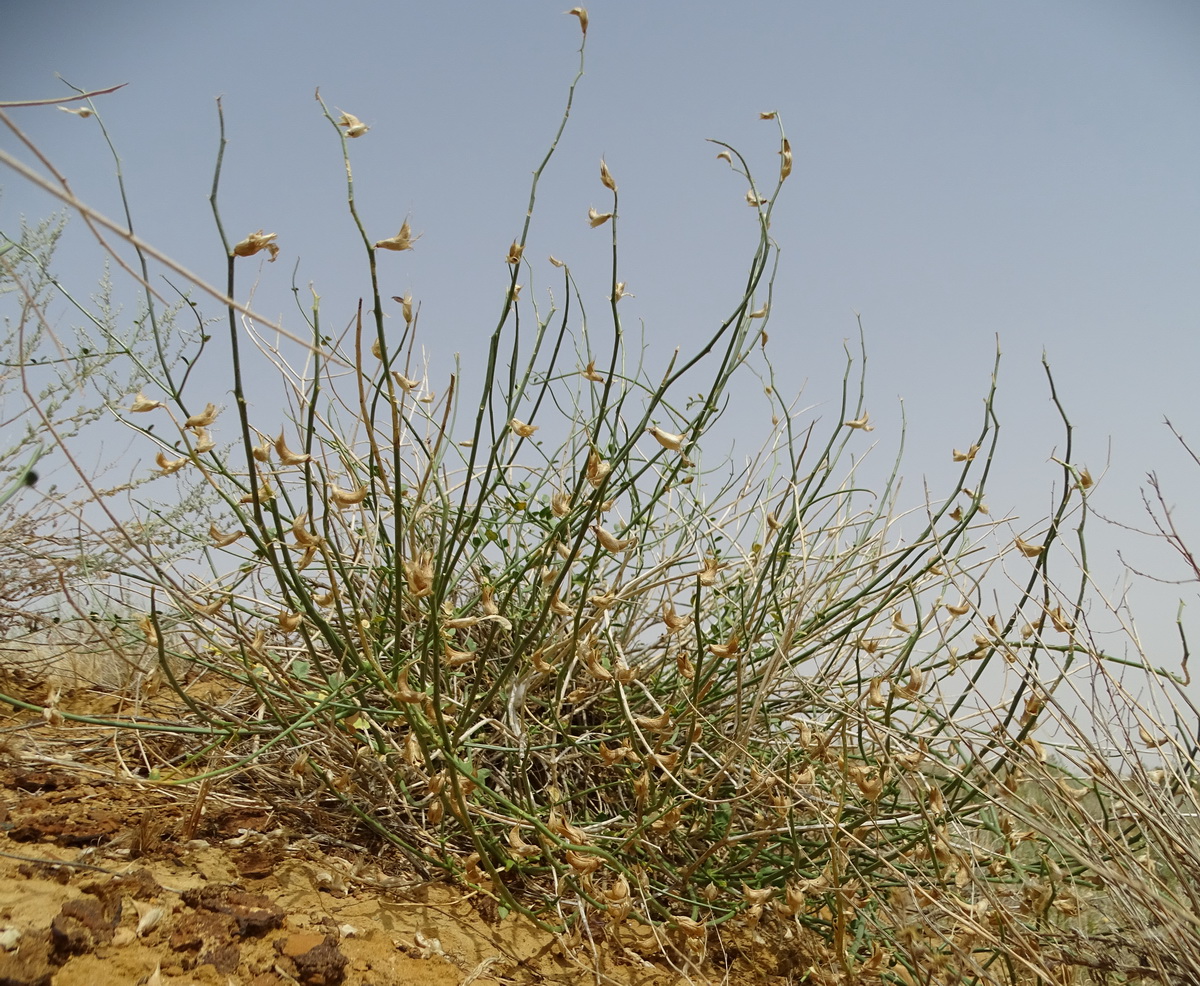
[963, 171]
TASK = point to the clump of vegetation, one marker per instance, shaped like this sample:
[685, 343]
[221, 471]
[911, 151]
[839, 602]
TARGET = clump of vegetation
[536, 643]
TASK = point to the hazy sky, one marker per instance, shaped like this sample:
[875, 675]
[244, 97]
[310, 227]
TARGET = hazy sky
[1028, 171]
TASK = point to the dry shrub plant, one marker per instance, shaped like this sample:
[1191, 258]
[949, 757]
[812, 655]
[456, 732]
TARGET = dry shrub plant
[577, 671]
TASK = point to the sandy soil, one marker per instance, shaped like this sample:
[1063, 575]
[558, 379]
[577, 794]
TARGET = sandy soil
[107, 879]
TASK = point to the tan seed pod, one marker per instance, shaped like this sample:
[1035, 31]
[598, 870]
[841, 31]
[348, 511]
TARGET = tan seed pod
[667, 439]
[169, 466]
[223, 540]
[403, 240]
[598, 218]
[519, 846]
[354, 126]
[255, 243]
[204, 418]
[142, 404]
[287, 456]
[289, 621]
[347, 498]
[606, 178]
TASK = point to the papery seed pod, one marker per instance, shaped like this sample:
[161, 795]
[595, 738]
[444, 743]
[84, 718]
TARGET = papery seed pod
[581, 13]
[169, 466]
[666, 439]
[419, 574]
[674, 622]
[514, 253]
[207, 609]
[204, 418]
[589, 373]
[785, 164]
[262, 453]
[404, 692]
[264, 495]
[289, 621]
[875, 697]
[912, 687]
[559, 607]
[540, 664]
[255, 243]
[403, 240]
[726, 650]
[620, 292]
[560, 503]
[708, 571]
[223, 540]
[521, 428]
[666, 761]
[146, 625]
[487, 601]
[692, 929]
[658, 724]
[761, 312]
[960, 610]
[555, 261]
[347, 498]
[204, 441]
[606, 178]
[519, 846]
[306, 558]
[612, 544]
[458, 658]
[754, 200]
[287, 456]
[584, 864]
[83, 112]
[861, 424]
[404, 383]
[142, 404]
[597, 469]
[1027, 549]
[1085, 480]
[301, 532]
[899, 624]
[328, 599]
[565, 830]
[685, 667]
[598, 218]
[1149, 740]
[966, 456]
[354, 126]
[725, 156]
